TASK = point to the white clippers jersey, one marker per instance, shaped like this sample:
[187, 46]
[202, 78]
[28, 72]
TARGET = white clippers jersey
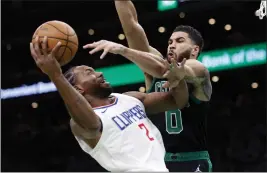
[129, 140]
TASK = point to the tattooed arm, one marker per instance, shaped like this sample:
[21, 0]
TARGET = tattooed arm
[199, 77]
[136, 37]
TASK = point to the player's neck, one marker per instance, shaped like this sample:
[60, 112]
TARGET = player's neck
[97, 102]
[193, 57]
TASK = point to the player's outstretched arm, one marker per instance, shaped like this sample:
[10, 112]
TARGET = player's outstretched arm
[156, 102]
[135, 34]
[78, 106]
[148, 62]
[198, 75]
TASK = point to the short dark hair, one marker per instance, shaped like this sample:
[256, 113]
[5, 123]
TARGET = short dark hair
[70, 76]
[193, 34]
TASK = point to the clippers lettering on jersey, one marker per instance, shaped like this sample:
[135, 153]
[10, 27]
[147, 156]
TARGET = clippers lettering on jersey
[140, 111]
[118, 122]
[128, 117]
[131, 115]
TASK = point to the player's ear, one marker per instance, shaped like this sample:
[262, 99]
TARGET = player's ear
[195, 50]
[79, 89]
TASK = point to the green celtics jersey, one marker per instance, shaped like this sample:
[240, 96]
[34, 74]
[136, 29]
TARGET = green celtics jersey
[182, 130]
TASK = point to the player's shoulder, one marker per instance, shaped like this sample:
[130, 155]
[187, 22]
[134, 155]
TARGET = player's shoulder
[128, 95]
[194, 61]
[196, 64]
[125, 94]
[135, 95]
[116, 94]
[119, 96]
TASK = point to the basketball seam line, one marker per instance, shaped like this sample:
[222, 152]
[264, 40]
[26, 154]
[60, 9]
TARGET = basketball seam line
[69, 49]
[60, 30]
[58, 39]
[65, 48]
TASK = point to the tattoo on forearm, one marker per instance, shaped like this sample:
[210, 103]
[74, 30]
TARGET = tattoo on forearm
[201, 83]
[207, 88]
[194, 80]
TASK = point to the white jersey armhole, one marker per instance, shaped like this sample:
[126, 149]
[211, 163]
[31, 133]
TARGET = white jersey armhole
[85, 147]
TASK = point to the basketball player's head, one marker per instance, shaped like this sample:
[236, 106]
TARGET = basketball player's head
[185, 42]
[88, 82]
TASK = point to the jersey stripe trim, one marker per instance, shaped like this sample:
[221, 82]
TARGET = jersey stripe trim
[106, 106]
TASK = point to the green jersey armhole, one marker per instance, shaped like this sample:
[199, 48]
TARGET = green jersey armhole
[152, 84]
[194, 99]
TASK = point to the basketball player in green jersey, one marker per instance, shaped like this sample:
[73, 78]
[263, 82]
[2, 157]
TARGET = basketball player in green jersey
[184, 130]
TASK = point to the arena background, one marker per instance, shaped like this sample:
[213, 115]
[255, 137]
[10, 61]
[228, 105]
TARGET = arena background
[35, 131]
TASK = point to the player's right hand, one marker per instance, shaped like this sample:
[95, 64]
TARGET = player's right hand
[174, 74]
[45, 60]
[107, 46]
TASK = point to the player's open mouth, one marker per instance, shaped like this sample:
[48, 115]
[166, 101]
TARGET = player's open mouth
[170, 55]
[103, 81]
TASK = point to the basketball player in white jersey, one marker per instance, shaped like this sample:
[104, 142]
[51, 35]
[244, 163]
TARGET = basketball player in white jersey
[112, 128]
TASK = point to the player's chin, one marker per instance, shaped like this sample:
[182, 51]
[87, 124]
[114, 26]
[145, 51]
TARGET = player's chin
[180, 59]
[169, 58]
[105, 85]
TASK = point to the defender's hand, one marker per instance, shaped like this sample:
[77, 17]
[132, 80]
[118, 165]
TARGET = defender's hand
[105, 45]
[44, 60]
[174, 74]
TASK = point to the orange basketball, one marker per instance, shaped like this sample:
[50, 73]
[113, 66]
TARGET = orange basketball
[59, 31]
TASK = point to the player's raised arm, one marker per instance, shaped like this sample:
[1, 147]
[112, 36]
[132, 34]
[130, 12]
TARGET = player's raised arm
[136, 36]
[78, 106]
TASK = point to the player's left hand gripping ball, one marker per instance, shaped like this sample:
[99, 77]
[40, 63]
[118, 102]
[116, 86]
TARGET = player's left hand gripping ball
[105, 45]
[44, 59]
